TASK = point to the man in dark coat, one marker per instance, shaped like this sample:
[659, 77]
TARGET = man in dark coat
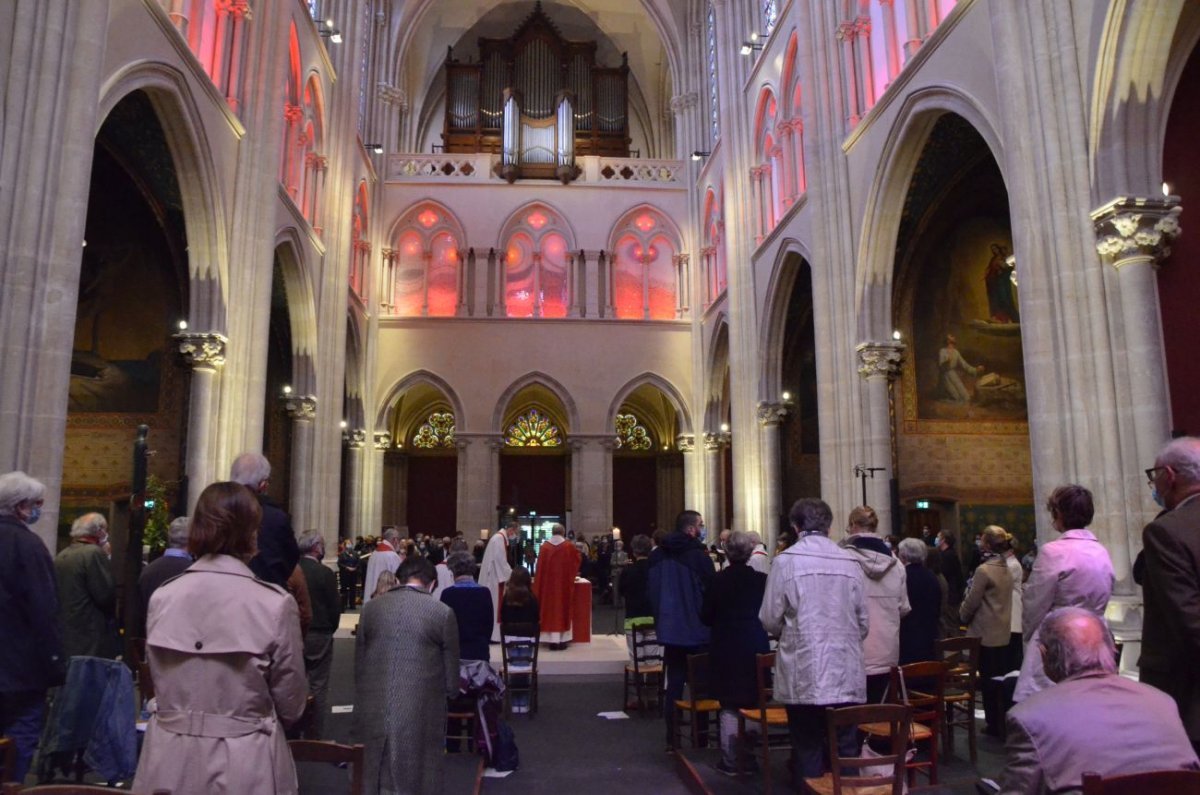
[326, 615]
[680, 573]
[31, 656]
[730, 608]
[87, 592]
[951, 569]
[405, 667]
[174, 561]
[919, 629]
[277, 551]
[1171, 585]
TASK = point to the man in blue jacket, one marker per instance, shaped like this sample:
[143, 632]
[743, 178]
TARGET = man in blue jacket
[680, 572]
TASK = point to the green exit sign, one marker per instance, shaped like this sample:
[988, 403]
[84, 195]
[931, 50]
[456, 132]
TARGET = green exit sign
[923, 505]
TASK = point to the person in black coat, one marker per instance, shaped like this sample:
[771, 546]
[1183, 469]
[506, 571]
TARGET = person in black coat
[919, 629]
[951, 569]
[174, 561]
[277, 551]
[472, 606]
[730, 607]
[634, 579]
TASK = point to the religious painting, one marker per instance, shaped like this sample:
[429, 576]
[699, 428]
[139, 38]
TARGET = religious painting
[968, 358]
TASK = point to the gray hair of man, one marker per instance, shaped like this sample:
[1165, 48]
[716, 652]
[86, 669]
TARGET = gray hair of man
[811, 515]
[391, 535]
[310, 540]
[459, 545]
[640, 545]
[90, 525]
[250, 469]
[177, 533]
[1182, 455]
[755, 535]
[739, 547]
[557, 529]
[461, 564]
[16, 488]
[1074, 642]
[911, 550]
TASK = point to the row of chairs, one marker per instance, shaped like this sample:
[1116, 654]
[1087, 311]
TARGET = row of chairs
[942, 699]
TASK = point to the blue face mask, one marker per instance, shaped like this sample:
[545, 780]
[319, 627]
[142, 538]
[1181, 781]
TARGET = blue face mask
[1158, 500]
[35, 514]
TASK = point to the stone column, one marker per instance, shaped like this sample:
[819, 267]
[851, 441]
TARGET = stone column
[1134, 235]
[591, 483]
[879, 365]
[381, 442]
[352, 491]
[692, 491]
[303, 410]
[463, 480]
[204, 352]
[770, 415]
[714, 504]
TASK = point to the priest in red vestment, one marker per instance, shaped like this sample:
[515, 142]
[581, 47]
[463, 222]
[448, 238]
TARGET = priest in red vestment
[554, 586]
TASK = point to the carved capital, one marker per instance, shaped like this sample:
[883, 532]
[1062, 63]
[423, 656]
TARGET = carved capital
[300, 407]
[356, 438]
[770, 413]
[382, 440]
[202, 350]
[686, 442]
[393, 96]
[293, 113]
[1131, 229]
[846, 31]
[714, 442]
[682, 103]
[879, 359]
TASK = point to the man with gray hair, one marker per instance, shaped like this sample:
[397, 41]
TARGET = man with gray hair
[87, 592]
[816, 604]
[1091, 719]
[1171, 581]
[326, 615]
[759, 561]
[31, 656]
[277, 552]
[174, 561]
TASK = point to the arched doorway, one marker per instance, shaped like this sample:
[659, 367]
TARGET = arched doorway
[133, 293]
[647, 466]
[800, 432]
[961, 424]
[535, 465]
[280, 387]
[421, 470]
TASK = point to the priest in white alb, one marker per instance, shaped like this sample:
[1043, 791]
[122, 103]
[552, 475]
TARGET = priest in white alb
[384, 558]
[495, 570]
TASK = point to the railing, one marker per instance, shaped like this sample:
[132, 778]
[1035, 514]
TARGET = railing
[477, 167]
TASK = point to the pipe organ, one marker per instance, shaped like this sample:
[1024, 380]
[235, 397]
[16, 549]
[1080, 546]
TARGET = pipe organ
[538, 100]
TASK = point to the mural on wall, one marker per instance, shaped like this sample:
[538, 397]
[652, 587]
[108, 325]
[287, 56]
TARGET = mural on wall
[966, 326]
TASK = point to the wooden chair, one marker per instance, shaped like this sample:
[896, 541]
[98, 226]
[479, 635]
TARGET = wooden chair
[460, 724]
[962, 684]
[8, 759]
[929, 709]
[766, 716]
[333, 753]
[898, 720]
[646, 670]
[519, 658]
[690, 710]
[1158, 782]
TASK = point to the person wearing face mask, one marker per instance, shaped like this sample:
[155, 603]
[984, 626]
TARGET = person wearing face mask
[1074, 570]
[1171, 581]
[31, 657]
[87, 592]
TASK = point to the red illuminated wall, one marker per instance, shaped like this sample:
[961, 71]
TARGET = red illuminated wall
[1179, 278]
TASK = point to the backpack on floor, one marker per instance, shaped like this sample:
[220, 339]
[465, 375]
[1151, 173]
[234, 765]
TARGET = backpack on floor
[505, 754]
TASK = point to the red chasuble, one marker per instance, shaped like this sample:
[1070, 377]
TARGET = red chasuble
[554, 588]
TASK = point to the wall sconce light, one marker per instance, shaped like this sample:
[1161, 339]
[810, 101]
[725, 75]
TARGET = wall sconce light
[724, 427]
[376, 148]
[698, 154]
[328, 31]
[755, 43]
[1166, 189]
[183, 325]
[287, 389]
[896, 334]
[786, 397]
[344, 424]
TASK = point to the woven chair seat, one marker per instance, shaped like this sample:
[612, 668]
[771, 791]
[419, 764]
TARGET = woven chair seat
[919, 731]
[702, 705]
[824, 786]
[776, 716]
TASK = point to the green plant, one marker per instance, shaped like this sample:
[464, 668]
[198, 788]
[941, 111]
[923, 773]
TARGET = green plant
[158, 515]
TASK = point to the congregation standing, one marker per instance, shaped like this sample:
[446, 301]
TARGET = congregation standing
[239, 615]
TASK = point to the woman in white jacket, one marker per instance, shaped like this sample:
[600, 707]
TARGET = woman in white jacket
[887, 598]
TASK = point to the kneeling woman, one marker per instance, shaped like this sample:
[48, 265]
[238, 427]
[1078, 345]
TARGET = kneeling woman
[227, 661]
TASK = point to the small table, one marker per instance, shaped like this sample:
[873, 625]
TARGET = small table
[581, 612]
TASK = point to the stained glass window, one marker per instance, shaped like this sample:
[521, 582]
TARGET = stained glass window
[533, 429]
[438, 431]
[770, 15]
[713, 107]
[632, 435]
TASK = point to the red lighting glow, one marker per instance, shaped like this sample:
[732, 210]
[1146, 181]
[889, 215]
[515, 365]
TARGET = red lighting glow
[537, 219]
[644, 222]
[427, 218]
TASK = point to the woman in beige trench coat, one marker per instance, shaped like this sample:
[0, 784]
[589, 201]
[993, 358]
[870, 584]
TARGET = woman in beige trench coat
[225, 653]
